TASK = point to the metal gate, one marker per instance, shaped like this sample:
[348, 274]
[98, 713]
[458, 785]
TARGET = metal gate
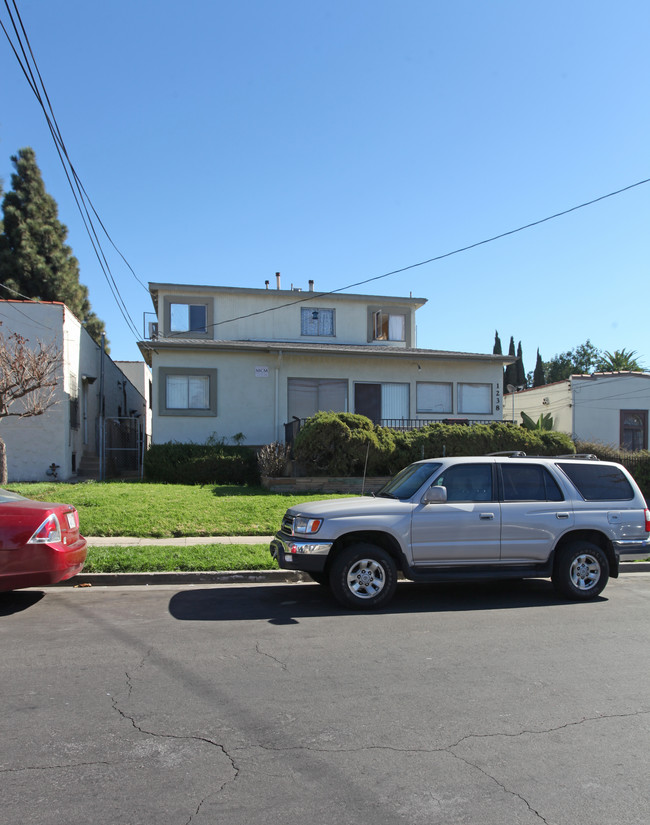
[121, 448]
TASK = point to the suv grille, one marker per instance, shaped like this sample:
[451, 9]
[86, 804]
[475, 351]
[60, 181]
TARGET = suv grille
[287, 525]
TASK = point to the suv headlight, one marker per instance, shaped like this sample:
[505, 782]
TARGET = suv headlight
[306, 525]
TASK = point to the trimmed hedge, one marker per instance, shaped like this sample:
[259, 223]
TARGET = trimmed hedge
[176, 463]
[340, 444]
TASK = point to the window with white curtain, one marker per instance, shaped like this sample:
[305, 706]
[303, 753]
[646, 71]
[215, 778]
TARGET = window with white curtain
[475, 398]
[434, 397]
[189, 391]
[316, 321]
[307, 396]
[389, 326]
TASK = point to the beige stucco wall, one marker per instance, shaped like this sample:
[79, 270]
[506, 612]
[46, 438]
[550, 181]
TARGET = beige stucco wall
[552, 398]
[253, 322]
[257, 406]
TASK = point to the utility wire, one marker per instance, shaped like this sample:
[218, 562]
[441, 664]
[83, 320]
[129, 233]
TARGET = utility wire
[314, 295]
[84, 204]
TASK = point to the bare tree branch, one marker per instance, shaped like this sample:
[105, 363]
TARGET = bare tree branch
[27, 375]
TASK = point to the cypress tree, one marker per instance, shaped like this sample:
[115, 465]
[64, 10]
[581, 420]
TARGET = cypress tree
[538, 375]
[510, 374]
[496, 349]
[521, 372]
[35, 260]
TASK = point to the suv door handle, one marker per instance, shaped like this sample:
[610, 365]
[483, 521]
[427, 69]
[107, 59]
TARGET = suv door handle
[561, 515]
[486, 515]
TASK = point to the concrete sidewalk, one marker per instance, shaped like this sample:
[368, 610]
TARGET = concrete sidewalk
[184, 541]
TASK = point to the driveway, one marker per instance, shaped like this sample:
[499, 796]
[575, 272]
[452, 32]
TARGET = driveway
[246, 704]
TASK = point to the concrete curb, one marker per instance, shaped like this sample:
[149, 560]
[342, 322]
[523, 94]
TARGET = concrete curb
[230, 577]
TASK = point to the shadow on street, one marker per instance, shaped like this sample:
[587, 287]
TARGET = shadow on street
[284, 604]
[16, 601]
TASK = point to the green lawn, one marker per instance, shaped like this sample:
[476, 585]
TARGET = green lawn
[168, 510]
[165, 559]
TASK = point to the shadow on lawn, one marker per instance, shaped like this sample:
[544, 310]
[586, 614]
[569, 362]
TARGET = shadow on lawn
[287, 603]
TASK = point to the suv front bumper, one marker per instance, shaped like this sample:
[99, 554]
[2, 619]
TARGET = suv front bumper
[298, 554]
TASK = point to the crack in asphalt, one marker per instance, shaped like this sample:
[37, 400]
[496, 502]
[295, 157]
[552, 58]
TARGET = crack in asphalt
[449, 749]
[282, 664]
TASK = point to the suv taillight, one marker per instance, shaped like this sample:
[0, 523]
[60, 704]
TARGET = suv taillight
[647, 520]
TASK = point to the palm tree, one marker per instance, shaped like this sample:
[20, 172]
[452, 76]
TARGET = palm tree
[619, 361]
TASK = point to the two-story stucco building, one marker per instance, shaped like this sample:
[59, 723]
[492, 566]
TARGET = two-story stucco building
[230, 360]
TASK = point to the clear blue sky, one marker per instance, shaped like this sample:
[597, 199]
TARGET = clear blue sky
[221, 142]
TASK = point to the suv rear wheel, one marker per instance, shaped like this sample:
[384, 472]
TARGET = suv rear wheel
[363, 576]
[581, 571]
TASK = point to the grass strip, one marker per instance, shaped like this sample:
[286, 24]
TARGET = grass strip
[197, 558]
[168, 510]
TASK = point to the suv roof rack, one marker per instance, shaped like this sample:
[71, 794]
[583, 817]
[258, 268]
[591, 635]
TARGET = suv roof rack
[511, 453]
[586, 456]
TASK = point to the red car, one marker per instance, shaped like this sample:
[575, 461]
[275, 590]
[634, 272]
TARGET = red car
[40, 543]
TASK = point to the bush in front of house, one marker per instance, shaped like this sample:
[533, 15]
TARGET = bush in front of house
[340, 444]
[212, 463]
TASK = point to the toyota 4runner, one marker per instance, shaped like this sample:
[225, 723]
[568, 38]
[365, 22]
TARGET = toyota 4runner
[455, 519]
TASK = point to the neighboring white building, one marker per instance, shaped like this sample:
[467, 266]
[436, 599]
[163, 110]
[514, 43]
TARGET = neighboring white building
[68, 434]
[608, 408]
[229, 360]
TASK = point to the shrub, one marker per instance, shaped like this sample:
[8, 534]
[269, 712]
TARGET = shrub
[341, 444]
[273, 459]
[212, 463]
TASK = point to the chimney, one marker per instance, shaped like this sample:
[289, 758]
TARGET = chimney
[277, 280]
[266, 284]
[311, 285]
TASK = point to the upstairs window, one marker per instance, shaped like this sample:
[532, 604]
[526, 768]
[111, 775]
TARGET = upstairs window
[190, 318]
[187, 316]
[316, 321]
[388, 326]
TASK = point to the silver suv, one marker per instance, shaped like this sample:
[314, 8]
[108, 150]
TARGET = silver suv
[485, 517]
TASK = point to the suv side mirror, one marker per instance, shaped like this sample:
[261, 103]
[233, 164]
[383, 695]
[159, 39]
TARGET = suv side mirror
[434, 494]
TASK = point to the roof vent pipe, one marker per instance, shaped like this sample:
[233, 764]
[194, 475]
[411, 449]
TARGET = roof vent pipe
[311, 285]
[266, 284]
[277, 280]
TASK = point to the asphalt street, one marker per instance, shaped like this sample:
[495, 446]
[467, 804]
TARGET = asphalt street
[266, 703]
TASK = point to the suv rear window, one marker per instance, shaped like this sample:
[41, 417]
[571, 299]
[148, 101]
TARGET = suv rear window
[597, 482]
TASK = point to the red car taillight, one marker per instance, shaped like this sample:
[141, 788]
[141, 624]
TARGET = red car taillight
[647, 521]
[48, 533]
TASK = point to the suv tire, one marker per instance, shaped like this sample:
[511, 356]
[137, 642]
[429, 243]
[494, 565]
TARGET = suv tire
[363, 577]
[581, 571]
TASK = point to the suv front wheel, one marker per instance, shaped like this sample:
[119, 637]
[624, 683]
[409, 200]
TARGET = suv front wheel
[581, 571]
[363, 576]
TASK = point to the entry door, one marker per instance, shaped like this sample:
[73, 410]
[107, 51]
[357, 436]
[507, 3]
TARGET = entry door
[367, 401]
[466, 529]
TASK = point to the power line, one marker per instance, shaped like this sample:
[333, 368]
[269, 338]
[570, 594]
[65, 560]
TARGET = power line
[83, 202]
[312, 295]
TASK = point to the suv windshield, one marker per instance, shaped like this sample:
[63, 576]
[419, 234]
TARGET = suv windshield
[408, 481]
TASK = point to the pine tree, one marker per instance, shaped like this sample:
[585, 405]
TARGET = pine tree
[35, 260]
[496, 350]
[538, 375]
